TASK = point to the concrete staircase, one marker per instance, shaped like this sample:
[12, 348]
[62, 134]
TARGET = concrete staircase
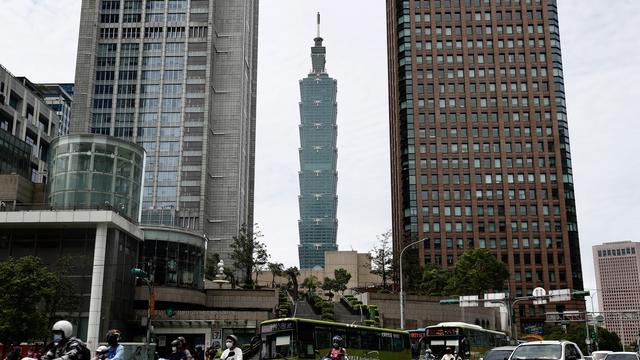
[343, 314]
[304, 310]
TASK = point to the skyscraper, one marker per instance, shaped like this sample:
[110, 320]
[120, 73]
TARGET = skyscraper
[617, 266]
[480, 155]
[318, 201]
[179, 78]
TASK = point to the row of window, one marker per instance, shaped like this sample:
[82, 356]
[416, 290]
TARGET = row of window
[479, 30]
[522, 226]
[616, 252]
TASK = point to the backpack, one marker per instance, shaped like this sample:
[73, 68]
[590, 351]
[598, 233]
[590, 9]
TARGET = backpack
[85, 353]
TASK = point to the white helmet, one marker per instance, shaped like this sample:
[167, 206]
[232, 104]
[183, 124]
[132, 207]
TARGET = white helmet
[64, 326]
[102, 350]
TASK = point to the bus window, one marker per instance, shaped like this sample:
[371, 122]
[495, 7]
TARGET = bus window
[353, 339]
[386, 341]
[371, 340]
[305, 339]
[398, 344]
[323, 338]
[278, 346]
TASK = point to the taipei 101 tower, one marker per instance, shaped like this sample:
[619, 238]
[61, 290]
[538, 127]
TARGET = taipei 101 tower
[318, 200]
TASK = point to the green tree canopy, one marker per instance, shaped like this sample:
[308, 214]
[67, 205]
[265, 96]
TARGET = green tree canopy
[434, 281]
[382, 258]
[277, 269]
[576, 333]
[293, 274]
[311, 283]
[27, 291]
[477, 271]
[249, 254]
[342, 278]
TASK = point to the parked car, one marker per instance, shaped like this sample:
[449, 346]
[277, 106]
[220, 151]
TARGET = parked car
[599, 355]
[499, 353]
[547, 350]
[619, 355]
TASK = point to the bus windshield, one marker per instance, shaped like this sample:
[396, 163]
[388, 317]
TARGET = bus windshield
[278, 345]
[278, 340]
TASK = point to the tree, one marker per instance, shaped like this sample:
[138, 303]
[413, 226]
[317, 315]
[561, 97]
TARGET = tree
[249, 254]
[277, 269]
[434, 281]
[477, 271]
[576, 333]
[311, 283]
[382, 258]
[339, 282]
[64, 298]
[342, 278]
[27, 289]
[293, 274]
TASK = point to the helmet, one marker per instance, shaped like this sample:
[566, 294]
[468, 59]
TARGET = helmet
[63, 326]
[101, 350]
[113, 332]
[233, 338]
[337, 338]
[182, 339]
[177, 343]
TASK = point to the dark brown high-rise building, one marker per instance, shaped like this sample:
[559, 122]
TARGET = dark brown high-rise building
[480, 152]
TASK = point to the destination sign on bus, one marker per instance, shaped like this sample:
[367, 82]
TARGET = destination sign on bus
[279, 326]
[443, 331]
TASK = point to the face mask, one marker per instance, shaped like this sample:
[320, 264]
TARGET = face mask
[113, 341]
[336, 345]
[174, 349]
[229, 344]
[57, 337]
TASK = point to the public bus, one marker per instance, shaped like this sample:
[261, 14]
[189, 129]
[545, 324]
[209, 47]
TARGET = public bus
[451, 334]
[296, 338]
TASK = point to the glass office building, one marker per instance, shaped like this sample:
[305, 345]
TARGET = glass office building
[177, 77]
[318, 157]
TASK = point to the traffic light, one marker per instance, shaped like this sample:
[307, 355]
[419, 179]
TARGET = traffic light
[580, 294]
[449, 301]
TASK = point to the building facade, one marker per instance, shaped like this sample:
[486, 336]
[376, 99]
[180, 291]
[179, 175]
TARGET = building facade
[179, 78]
[24, 115]
[59, 97]
[480, 155]
[318, 200]
[617, 266]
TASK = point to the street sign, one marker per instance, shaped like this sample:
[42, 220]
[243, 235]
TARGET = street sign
[559, 295]
[468, 301]
[494, 299]
[539, 296]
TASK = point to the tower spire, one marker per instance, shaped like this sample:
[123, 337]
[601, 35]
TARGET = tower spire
[318, 24]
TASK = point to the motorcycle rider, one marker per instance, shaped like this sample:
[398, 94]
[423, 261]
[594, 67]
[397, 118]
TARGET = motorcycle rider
[64, 346]
[448, 355]
[232, 352]
[337, 352]
[116, 351]
[176, 351]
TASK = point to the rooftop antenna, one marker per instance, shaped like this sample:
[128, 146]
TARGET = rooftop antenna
[318, 24]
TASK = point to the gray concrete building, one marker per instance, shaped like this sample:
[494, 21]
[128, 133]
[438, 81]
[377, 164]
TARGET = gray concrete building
[24, 118]
[179, 78]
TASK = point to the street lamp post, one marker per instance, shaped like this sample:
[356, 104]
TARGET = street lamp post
[144, 276]
[401, 280]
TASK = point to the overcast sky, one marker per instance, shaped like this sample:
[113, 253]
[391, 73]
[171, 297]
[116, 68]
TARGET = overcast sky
[600, 54]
